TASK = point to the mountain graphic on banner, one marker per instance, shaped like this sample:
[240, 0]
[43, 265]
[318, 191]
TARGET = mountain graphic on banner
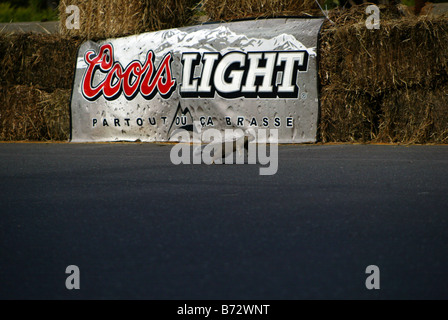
[184, 120]
[221, 39]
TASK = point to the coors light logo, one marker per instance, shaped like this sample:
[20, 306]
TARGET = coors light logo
[253, 72]
[135, 78]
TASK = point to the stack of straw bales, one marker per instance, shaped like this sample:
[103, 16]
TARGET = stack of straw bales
[35, 85]
[384, 85]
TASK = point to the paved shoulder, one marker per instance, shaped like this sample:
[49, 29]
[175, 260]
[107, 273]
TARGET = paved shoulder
[48, 27]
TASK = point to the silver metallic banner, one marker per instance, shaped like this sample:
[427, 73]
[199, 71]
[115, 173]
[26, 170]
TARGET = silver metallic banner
[255, 74]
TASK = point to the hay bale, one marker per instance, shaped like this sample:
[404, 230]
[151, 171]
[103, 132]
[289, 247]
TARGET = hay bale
[28, 113]
[110, 19]
[225, 10]
[46, 62]
[167, 14]
[386, 85]
[404, 52]
[347, 116]
[415, 115]
[342, 16]
[409, 115]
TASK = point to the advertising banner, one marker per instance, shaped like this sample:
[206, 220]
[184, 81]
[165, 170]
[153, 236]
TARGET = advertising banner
[253, 74]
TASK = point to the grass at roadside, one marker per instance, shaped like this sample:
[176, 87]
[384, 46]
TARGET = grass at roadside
[9, 13]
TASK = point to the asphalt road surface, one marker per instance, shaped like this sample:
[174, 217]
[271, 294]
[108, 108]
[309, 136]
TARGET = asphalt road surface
[139, 227]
